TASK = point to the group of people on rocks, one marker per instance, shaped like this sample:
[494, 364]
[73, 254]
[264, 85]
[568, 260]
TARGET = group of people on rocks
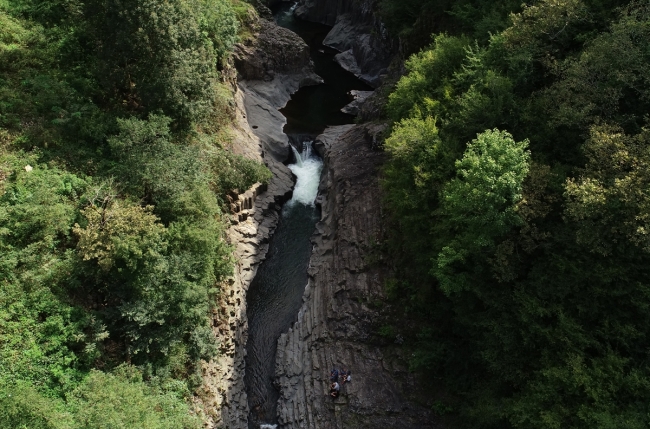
[345, 377]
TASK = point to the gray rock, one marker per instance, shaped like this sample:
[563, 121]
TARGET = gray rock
[358, 33]
[364, 60]
[275, 66]
[255, 216]
[273, 50]
[360, 98]
[323, 11]
[279, 61]
[347, 61]
[342, 35]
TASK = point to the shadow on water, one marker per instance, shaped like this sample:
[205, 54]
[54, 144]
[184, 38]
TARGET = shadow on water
[275, 295]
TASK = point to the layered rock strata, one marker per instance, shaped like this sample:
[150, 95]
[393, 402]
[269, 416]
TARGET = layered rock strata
[336, 321]
[358, 33]
[283, 68]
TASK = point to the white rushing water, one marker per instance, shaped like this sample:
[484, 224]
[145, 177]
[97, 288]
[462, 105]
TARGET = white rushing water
[287, 15]
[307, 170]
[268, 426]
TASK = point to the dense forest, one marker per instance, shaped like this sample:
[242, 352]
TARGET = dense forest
[113, 174]
[517, 193]
[518, 189]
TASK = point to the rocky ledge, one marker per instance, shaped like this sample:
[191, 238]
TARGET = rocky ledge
[336, 322]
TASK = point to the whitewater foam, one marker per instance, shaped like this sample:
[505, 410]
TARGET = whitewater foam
[307, 170]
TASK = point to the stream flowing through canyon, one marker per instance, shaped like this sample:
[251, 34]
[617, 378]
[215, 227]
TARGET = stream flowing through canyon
[275, 295]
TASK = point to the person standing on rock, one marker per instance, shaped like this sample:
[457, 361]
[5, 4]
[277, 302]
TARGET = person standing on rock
[334, 389]
[334, 375]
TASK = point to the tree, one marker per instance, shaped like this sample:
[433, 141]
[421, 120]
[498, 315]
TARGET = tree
[120, 234]
[155, 55]
[427, 85]
[610, 202]
[480, 204]
[418, 167]
[608, 81]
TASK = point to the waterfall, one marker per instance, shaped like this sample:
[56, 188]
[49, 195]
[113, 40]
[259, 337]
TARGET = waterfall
[307, 170]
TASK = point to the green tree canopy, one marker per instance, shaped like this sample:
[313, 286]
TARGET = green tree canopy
[480, 204]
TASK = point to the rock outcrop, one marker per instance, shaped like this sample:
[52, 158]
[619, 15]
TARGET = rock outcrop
[360, 97]
[336, 321]
[274, 50]
[366, 48]
[276, 64]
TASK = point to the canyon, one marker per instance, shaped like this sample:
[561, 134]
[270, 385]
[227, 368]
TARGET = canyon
[336, 324]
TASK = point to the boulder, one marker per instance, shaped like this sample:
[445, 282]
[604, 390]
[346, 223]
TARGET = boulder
[365, 60]
[273, 50]
[343, 34]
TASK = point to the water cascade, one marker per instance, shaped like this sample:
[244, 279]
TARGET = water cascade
[307, 170]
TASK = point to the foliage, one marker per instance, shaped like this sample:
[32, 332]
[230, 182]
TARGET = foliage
[416, 168]
[158, 55]
[480, 203]
[428, 80]
[102, 400]
[121, 400]
[111, 224]
[21, 406]
[610, 200]
[42, 336]
[528, 246]
[238, 172]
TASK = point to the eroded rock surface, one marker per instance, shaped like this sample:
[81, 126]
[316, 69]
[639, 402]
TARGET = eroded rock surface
[336, 320]
[274, 50]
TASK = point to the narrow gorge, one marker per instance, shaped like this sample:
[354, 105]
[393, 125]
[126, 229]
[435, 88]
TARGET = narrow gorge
[300, 303]
[209, 207]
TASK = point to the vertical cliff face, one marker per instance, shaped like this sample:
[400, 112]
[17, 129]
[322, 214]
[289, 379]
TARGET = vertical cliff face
[336, 322]
[271, 67]
[365, 45]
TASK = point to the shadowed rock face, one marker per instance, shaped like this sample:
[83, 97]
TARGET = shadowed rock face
[355, 106]
[335, 322]
[323, 11]
[366, 48]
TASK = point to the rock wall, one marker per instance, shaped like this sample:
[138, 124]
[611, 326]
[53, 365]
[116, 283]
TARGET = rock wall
[335, 324]
[365, 45]
[276, 64]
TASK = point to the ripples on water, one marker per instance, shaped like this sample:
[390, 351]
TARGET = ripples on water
[275, 295]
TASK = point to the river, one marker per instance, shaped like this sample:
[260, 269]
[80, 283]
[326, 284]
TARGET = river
[275, 295]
